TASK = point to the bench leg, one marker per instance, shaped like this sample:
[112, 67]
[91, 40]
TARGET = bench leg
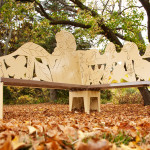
[1, 100]
[91, 100]
[75, 100]
[70, 101]
[94, 100]
[86, 102]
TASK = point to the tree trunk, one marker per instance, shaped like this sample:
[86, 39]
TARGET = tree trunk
[7, 41]
[145, 94]
[2, 3]
[53, 95]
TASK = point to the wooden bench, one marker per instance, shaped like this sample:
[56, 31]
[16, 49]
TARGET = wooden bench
[83, 73]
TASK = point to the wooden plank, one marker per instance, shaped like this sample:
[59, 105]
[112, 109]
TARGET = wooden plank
[74, 87]
[119, 85]
[40, 84]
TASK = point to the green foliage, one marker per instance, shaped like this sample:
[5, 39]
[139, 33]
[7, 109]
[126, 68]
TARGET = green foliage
[106, 96]
[19, 95]
[62, 100]
[63, 97]
[104, 101]
[13, 95]
[126, 21]
[120, 138]
[25, 99]
[127, 96]
[7, 95]
[15, 16]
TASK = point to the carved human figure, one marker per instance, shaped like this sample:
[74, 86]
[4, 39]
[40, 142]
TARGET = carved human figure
[147, 52]
[110, 58]
[65, 43]
[127, 56]
[142, 65]
[90, 73]
[3, 71]
[65, 62]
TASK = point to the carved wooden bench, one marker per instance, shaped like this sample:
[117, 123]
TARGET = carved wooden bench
[83, 73]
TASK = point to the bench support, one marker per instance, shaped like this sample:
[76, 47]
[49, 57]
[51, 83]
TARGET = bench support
[1, 100]
[90, 100]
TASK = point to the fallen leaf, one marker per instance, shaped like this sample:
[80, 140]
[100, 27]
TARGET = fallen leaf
[7, 144]
[31, 129]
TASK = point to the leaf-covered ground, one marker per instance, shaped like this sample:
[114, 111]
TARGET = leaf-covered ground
[52, 127]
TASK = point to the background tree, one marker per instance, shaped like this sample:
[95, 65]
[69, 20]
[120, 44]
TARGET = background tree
[19, 24]
[110, 20]
[103, 20]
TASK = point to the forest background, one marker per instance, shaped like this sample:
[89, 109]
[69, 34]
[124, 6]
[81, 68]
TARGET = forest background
[93, 23]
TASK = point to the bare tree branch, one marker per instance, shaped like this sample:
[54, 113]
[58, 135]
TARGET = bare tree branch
[129, 8]
[120, 28]
[105, 5]
[113, 7]
[83, 7]
[67, 7]
[119, 5]
[43, 12]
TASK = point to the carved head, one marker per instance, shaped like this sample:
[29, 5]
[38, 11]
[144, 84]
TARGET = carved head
[131, 49]
[110, 50]
[65, 41]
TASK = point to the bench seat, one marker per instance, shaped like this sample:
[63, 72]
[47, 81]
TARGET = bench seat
[79, 95]
[83, 73]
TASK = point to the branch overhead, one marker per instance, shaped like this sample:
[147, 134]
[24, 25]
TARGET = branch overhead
[42, 11]
[53, 21]
[83, 7]
[68, 22]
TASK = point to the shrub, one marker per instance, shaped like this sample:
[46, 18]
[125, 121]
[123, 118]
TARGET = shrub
[106, 96]
[104, 101]
[25, 99]
[62, 100]
[7, 96]
[127, 96]
[21, 95]
[62, 97]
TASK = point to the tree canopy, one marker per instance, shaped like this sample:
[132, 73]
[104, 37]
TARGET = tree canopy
[112, 19]
[105, 20]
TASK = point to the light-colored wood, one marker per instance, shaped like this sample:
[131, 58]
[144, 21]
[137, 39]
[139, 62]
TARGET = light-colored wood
[89, 100]
[147, 52]
[1, 100]
[66, 65]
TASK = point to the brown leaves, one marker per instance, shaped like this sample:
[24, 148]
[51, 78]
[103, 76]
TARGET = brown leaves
[17, 144]
[6, 142]
[48, 127]
[94, 145]
[32, 129]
